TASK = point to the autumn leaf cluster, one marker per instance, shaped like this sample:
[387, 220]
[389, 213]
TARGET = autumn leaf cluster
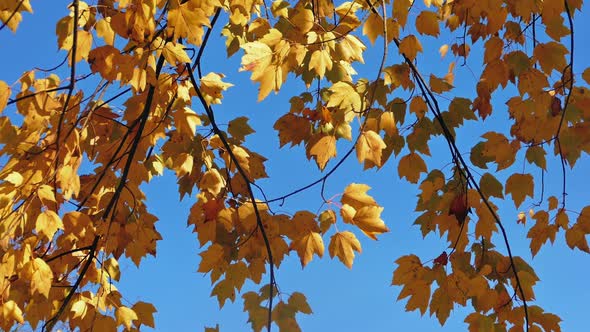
[74, 159]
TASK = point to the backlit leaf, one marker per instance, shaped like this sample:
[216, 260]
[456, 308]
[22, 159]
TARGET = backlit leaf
[125, 316]
[343, 245]
[520, 186]
[410, 167]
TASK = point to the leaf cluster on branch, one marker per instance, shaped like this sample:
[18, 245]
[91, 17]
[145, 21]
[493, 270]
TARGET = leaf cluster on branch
[74, 158]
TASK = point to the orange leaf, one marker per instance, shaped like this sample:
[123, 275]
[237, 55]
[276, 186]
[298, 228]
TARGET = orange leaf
[308, 245]
[343, 245]
[520, 186]
[410, 167]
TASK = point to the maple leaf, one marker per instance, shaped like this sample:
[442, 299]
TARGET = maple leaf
[427, 23]
[343, 245]
[459, 208]
[5, 92]
[551, 56]
[239, 128]
[174, 53]
[541, 231]
[145, 313]
[48, 223]
[410, 47]
[327, 218]
[40, 276]
[520, 186]
[370, 147]
[441, 305]
[212, 181]
[212, 86]
[125, 316]
[410, 167]
[491, 186]
[345, 97]
[368, 219]
[322, 148]
[186, 20]
[373, 27]
[320, 61]
[292, 129]
[355, 195]
[442, 259]
[307, 245]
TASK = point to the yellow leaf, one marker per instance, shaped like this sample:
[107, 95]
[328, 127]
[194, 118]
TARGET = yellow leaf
[439, 85]
[239, 128]
[585, 76]
[320, 61]
[551, 56]
[145, 313]
[347, 212]
[441, 305]
[4, 95]
[552, 201]
[355, 195]
[212, 85]
[11, 313]
[401, 10]
[541, 232]
[211, 258]
[111, 266]
[15, 178]
[418, 106]
[307, 245]
[327, 219]
[410, 167]
[322, 148]
[84, 45]
[69, 181]
[256, 59]
[125, 316]
[493, 49]
[520, 186]
[45, 194]
[105, 31]
[292, 129]
[302, 19]
[79, 309]
[370, 146]
[40, 275]
[373, 27]
[212, 181]
[419, 293]
[48, 223]
[298, 302]
[536, 155]
[410, 46]
[443, 50]
[343, 245]
[427, 23]
[387, 123]
[174, 52]
[576, 238]
[521, 217]
[187, 21]
[345, 97]
[368, 219]
[490, 186]
[562, 220]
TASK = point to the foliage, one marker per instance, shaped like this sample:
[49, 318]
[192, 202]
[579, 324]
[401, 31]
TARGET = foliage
[73, 165]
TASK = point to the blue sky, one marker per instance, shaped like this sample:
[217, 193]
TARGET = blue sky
[342, 299]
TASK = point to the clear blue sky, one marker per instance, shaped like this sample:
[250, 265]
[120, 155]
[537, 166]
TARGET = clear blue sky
[342, 299]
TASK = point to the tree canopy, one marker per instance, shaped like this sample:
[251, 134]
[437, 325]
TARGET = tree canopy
[131, 100]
